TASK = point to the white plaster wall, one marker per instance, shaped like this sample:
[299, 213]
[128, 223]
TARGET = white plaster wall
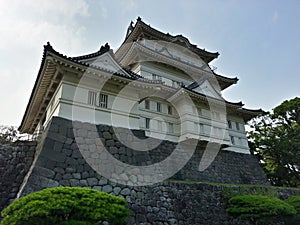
[125, 112]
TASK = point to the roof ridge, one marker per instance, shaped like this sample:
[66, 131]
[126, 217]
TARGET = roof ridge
[103, 49]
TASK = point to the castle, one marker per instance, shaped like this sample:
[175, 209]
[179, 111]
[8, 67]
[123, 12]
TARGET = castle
[155, 82]
[133, 122]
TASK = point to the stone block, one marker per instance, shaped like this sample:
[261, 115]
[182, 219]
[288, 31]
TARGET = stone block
[55, 156]
[85, 174]
[44, 172]
[107, 188]
[116, 190]
[59, 170]
[110, 143]
[58, 146]
[67, 176]
[140, 218]
[125, 191]
[107, 135]
[102, 181]
[92, 181]
[83, 183]
[70, 170]
[76, 176]
[74, 182]
[99, 188]
[65, 182]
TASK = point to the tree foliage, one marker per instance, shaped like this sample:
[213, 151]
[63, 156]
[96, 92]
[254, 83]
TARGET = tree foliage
[8, 134]
[275, 140]
[259, 209]
[66, 206]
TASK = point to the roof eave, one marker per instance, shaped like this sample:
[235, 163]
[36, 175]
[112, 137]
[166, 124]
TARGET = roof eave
[140, 27]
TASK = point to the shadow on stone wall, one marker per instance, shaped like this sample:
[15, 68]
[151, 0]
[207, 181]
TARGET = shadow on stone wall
[15, 160]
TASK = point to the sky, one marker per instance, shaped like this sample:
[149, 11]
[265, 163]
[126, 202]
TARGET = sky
[258, 41]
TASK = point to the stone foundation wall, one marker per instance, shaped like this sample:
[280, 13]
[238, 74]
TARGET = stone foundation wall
[59, 162]
[62, 160]
[15, 160]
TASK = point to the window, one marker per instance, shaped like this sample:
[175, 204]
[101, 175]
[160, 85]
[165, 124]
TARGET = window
[94, 100]
[158, 107]
[156, 77]
[201, 128]
[147, 104]
[170, 127]
[237, 125]
[92, 96]
[159, 125]
[240, 141]
[197, 110]
[216, 115]
[232, 140]
[229, 124]
[170, 110]
[103, 100]
[175, 84]
[147, 123]
[217, 131]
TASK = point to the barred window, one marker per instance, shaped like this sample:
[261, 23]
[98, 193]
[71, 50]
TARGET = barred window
[159, 125]
[147, 123]
[170, 110]
[232, 140]
[170, 127]
[92, 96]
[199, 111]
[240, 141]
[216, 115]
[201, 128]
[156, 77]
[158, 107]
[147, 104]
[103, 100]
[229, 124]
[237, 125]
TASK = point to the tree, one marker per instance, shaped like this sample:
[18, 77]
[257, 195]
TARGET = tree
[275, 140]
[8, 134]
[66, 206]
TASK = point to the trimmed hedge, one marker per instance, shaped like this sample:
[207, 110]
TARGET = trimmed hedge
[66, 206]
[257, 208]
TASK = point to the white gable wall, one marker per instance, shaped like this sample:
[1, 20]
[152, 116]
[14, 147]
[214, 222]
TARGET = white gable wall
[207, 89]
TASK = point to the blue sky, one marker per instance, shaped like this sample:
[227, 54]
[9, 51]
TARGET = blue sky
[258, 41]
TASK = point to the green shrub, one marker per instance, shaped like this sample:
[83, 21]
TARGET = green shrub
[259, 209]
[66, 206]
[295, 202]
[229, 192]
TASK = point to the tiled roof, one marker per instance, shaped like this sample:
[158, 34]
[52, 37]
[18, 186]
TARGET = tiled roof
[134, 31]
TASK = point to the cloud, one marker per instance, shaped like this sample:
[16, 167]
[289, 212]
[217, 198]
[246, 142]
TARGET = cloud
[25, 26]
[27, 23]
